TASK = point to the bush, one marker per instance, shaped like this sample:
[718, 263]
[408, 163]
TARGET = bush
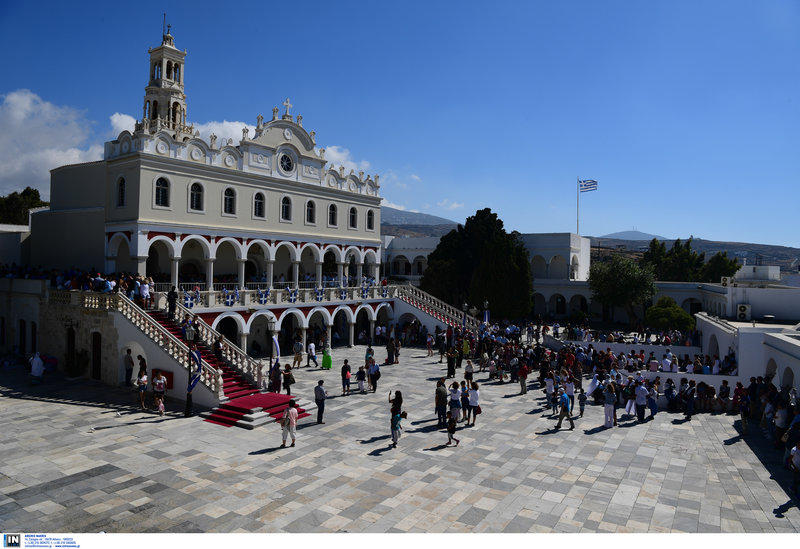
[666, 314]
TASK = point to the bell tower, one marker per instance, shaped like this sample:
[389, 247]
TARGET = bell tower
[164, 100]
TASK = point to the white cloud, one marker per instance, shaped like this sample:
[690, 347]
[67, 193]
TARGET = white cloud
[392, 205]
[224, 130]
[338, 156]
[447, 205]
[401, 186]
[121, 122]
[415, 177]
[38, 136]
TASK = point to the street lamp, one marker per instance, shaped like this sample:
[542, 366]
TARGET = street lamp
[270, 328]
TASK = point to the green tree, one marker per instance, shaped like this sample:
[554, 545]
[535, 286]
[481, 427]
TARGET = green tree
[14, 207]
[679, 264]
[622, 282]
[656, 256]
[479, 261]
[718, 266]
[667, 314]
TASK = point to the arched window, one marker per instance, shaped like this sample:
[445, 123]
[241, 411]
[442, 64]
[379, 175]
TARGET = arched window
[332, 217]
[311, 212]
[154, 111]
[258, 205]
[177, 69]
[286, 209]
[169, 70]
[162, 193]
[121, 192]
[370, 220]
[196, 197]
[353, 218]
[229, 202]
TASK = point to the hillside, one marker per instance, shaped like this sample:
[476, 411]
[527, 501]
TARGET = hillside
[392, 216]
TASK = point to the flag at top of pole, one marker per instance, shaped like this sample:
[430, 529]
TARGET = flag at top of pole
[587, 185]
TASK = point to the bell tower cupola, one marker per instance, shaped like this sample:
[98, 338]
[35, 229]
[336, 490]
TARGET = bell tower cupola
[164, 99]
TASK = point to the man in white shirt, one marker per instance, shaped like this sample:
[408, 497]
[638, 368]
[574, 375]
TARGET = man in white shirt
[312, 355]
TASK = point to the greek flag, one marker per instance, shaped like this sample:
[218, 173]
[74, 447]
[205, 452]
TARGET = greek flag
[188, 300]
[196, 370]
[587, 185]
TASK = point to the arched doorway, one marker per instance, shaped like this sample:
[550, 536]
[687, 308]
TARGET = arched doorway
[713, 346]
[772, 369]
[340, 329]
[228, 327]
[362, 335]
[788, 379]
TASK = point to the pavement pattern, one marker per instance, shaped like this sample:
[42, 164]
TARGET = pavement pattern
[80, 457]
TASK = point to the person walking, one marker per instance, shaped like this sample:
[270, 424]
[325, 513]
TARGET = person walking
[128, 368]
[641, 395]
[522, 374]
[288, 379]
[396, 402]
[320, 394]
[441, 403]
[289, 423]
[396, 427]
[455, 400]
[346, 375]
[312, 355]
[361, 376]
[563, 401]
[159, 390]
[141, 382]
[582, 401]
[172, 303]
[451, 429]
[374, 374]
[474, 403]
[609, 403]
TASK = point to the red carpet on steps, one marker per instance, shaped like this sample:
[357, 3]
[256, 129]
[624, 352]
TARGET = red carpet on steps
[243, 396]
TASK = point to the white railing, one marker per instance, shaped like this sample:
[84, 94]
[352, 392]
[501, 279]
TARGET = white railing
[174, 347]
[251, 369]
[415, 296]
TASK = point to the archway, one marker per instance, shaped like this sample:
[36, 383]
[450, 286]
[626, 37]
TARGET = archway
[254, 269]
[283, 273]
[558, 267]
[578, 303]
[291, 329]
[692, 306]
[772, 369]
[158, 262]
[538, 267]
[788, 379]
[401, 266]
[539, 305]
[713, 346]
[230, 329]
[317, 328]
[192, 264]
[362, 335]
[259, 342]
[226, 269]
[124, 262]
[340, 329]
[557, 306]
[308, 266]
[420, 264]
[408, 328]
[330, 271]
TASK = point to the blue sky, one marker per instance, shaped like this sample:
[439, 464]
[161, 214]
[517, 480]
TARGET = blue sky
[685, 112]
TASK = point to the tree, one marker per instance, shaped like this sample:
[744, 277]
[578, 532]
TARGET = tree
[479, 262]
[717, 267]
[14, 207]
[666, 314]
[622, 282]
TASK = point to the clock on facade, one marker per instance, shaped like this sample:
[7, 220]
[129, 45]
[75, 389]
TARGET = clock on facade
[287, 164]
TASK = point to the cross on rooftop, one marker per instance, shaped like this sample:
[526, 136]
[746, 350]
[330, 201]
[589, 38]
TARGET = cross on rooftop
[287, 105]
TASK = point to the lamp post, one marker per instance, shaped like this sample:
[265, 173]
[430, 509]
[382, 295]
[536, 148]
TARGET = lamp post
[464, 308]
[270, 328]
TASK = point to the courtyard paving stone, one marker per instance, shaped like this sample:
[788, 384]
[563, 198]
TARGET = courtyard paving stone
[71, 464]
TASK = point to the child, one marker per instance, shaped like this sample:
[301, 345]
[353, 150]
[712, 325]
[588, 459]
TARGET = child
[451, 429]
[582, 401]
[396, 427]
[361, 376]
[554, 402]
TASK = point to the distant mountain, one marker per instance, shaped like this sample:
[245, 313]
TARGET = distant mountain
[393, 216]
[632, 235]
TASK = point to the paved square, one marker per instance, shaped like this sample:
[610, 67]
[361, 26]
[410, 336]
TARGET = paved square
[137, 472]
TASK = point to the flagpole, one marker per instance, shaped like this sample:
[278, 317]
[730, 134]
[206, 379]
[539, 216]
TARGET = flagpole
[578, 213]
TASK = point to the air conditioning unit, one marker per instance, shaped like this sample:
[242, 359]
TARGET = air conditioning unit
[725, 280]
[742, 312]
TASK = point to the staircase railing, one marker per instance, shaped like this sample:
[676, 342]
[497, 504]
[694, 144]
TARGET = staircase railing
[413, 294]
[173, 346]
[248, 367]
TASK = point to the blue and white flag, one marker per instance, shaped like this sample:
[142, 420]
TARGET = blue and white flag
[188, 300]
[277, 348]
[587, 185]
[263, 296]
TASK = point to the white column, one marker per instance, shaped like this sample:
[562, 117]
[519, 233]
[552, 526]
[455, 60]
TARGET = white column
[173, 271]
[296, 273]
[241, 263]
[270, 270]
[359, 273]
[352, 329]
[371, 331]
[243, 341]
[319, 274]
[141, 265]
[303, 332]
[328, 335]
[340, 273]
[210, 274]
